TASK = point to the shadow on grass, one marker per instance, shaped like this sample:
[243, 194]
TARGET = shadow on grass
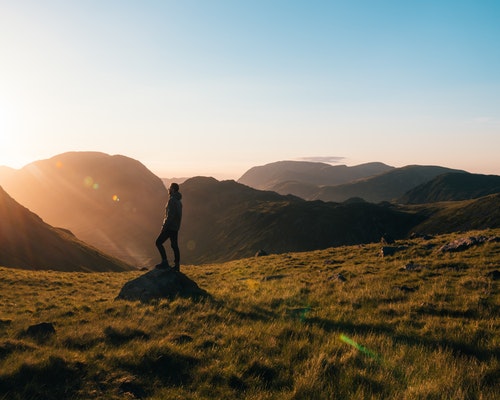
[458, 348]
[119, 336]
[54, 379]
[165, 365]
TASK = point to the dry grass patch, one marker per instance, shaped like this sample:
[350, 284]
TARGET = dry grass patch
[336, 323]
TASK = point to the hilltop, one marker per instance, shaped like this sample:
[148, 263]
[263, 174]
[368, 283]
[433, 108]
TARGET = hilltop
[341, 322]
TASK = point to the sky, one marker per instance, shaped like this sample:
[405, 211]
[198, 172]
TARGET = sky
[215, 87]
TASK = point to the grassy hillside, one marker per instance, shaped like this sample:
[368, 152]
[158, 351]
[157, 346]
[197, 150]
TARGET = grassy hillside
[453, 187]
[337, 323]
[455, 216]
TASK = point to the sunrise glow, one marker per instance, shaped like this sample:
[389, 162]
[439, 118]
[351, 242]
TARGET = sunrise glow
[216, 88]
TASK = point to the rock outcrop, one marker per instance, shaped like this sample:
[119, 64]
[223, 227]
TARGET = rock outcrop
[160, 284]
[467, 242]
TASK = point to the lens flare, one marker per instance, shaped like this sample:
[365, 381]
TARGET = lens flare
[88, 181]
[359, 347]
[116, 198]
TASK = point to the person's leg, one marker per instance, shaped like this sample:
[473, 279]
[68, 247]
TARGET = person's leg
[175, 247]
[162, 237]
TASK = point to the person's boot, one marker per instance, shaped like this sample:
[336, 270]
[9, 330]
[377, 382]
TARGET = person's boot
[162, 265]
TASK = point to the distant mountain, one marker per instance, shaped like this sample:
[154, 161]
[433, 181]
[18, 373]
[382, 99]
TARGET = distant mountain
[266, 177]
[227, 220]
[387, 186]
[453, 187]
[28, 242]
[5, 171]
[111, 202]
[168, 181]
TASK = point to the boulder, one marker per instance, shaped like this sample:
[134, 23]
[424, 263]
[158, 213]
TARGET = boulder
[261, 253]
[43, 330]
[386, 239]
[160, 284]
[463, 243]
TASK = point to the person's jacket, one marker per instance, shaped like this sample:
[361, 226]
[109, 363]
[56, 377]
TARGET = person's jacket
[173, 213]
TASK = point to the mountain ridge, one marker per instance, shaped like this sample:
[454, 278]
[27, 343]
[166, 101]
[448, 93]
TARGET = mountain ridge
[266, 176]
[28, 242]
[453, 187]
[117, 205]
[373, 182]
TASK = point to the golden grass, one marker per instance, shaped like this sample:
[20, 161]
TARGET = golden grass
[340, 323]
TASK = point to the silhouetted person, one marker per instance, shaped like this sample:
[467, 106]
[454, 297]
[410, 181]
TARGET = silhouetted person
[170, 229]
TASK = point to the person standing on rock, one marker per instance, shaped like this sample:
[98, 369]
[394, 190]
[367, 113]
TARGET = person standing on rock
[170, 229]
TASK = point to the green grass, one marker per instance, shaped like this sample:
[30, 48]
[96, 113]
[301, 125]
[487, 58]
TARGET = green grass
[276, 327]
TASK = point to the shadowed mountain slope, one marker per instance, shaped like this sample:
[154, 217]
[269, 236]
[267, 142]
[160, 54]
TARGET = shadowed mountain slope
[452, 187]
[266, 177]
[384, 187]
[111, 202]
[226, 220]
[457, 216]
[28, 242]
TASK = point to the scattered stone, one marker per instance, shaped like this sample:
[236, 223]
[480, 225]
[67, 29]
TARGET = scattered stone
[261, 253]
[466, 242]
[391, 250]
[387, 239]
[421, 236]
[338, 277]
[411, 266]
[181, 339]
[407, 289]
[160, 284]
[274, 277]
[494, 275]
[333, 262]
[41, 331]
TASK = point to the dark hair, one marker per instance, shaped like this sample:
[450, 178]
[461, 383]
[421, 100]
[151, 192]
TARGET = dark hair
[175, 186]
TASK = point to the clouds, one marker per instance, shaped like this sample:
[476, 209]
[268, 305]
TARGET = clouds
[323, 159]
